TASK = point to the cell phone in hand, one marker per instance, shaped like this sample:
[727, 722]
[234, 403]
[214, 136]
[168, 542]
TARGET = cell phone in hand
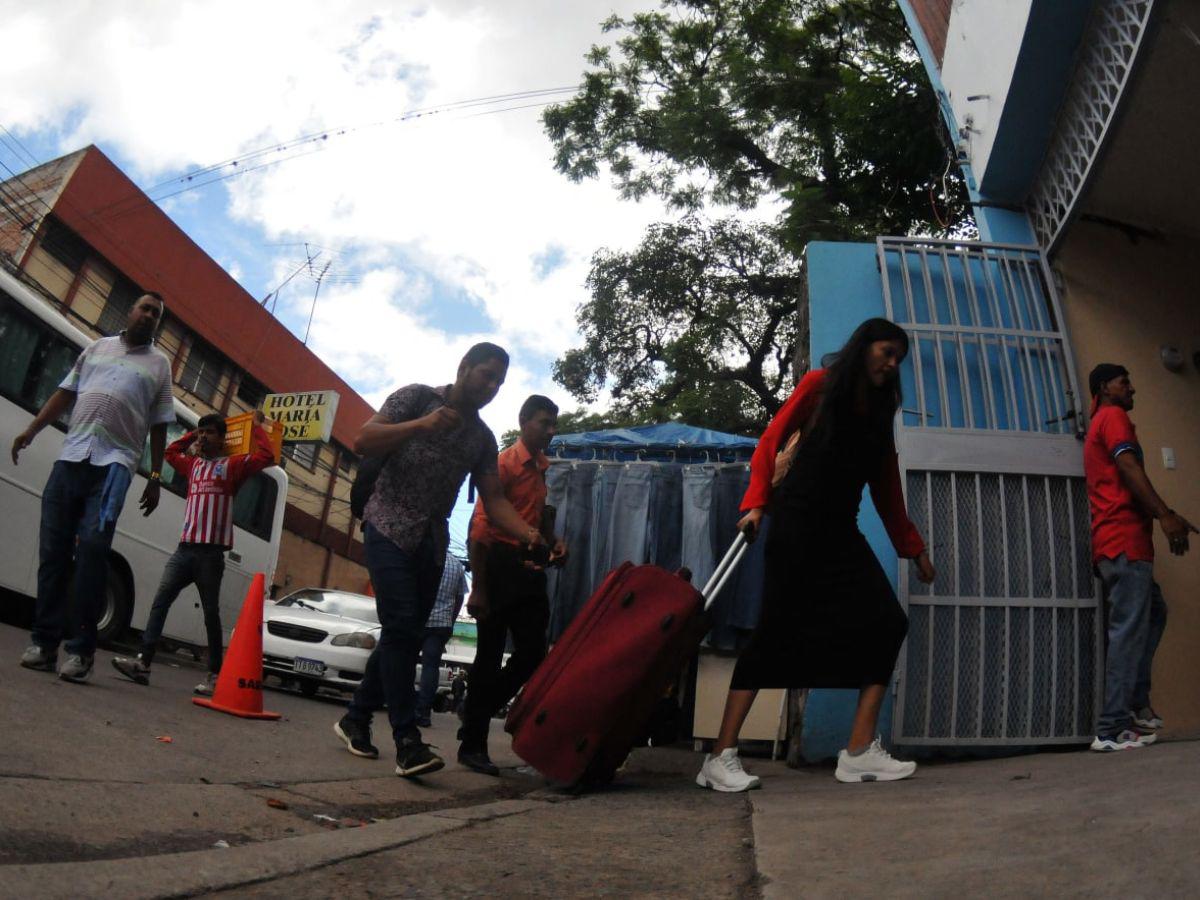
[538, 554]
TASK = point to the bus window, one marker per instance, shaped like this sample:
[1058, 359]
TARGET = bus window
[18, 343]
[56, 363]
[254, 506]
[33, 361]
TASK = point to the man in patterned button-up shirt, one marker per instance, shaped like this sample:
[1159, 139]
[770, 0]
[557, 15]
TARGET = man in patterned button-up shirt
[432, 439]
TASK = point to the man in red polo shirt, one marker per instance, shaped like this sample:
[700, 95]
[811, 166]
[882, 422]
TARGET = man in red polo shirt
[1124, 506]
[508, 590]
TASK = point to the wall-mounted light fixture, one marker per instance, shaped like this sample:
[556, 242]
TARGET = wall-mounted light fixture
[1172, 359]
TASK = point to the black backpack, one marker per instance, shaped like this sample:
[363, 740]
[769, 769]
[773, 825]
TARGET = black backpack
[364, 483]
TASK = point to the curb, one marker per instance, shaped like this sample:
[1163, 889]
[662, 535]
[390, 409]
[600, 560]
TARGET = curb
[197, 872]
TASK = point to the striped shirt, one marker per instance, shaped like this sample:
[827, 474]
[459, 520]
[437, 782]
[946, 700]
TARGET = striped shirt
[212, 484]
[450, 592]
[120, 391]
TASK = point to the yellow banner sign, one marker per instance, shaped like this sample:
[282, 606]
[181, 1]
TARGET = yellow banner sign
[305, 416]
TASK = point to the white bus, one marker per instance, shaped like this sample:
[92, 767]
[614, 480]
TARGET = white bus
[37, 348]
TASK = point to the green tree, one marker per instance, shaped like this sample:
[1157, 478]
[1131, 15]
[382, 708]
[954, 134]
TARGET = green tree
[700, 322]
[822, 102]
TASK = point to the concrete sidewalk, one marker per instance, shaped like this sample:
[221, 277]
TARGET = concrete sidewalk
[1051, 824]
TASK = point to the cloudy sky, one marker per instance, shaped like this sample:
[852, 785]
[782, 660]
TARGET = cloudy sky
[440, 230]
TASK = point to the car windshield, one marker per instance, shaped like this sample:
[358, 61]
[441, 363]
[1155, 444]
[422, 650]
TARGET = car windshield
[336, 603]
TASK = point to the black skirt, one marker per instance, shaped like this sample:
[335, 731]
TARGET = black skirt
[830, 617]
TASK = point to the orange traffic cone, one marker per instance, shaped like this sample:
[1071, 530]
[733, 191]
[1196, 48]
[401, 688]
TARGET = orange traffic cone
[239, 686]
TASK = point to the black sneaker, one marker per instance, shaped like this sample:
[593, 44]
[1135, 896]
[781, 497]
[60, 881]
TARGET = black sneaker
[132, 668]
[356, 736]
[413, 757]
[478, 760]
[424, 720]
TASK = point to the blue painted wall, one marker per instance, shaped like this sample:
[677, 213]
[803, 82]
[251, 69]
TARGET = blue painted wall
[844, 288]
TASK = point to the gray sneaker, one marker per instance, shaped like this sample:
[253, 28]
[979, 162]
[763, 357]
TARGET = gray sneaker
[39, 658]
[207, 686]
[132, 668]
[77, 668]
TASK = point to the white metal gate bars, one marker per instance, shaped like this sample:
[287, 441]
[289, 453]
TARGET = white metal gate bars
[1107, 54]
[1003, 648]
[987, 349]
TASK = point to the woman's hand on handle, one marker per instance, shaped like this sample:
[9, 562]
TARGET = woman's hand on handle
[925, 570]
[750, 523]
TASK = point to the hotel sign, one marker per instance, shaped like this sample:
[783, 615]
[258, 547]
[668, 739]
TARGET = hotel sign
[305, 416]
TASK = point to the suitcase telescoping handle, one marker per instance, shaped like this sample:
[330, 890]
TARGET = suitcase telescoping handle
[725, 568]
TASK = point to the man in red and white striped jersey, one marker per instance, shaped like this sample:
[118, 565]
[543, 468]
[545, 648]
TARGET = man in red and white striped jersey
[213, 480]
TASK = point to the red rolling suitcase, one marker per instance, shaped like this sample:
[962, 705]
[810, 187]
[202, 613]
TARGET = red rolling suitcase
[580, 712]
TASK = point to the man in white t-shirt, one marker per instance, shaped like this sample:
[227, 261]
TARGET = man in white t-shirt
[121, 389]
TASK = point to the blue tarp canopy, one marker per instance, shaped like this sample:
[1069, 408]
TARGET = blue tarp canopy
[672, 441]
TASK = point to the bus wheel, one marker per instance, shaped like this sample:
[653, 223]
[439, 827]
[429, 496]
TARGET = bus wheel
[117, 610]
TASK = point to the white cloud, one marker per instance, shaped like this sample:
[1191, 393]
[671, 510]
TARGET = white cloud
[466, 199]
[380, 345]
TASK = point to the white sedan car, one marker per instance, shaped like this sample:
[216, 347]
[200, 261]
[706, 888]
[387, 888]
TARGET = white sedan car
[316, 637]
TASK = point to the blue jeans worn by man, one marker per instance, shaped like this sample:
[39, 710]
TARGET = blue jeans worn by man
[70, 528]
[432, 649]
[204, 566]
[405, 588]
[1137, 616]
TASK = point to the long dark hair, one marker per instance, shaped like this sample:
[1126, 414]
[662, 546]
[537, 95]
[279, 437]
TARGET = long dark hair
[843, 370]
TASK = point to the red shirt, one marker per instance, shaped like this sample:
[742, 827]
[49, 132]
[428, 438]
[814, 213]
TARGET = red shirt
[523, 477]
[885, 485]
[1119, 524]
[208, 513]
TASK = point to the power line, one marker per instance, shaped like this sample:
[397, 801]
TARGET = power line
[16, 140]
[197, 178]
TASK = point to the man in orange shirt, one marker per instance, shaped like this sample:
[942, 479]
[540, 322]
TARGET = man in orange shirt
[508, 588]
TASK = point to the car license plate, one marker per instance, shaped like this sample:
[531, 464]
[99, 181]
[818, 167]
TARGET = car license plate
[309, 666]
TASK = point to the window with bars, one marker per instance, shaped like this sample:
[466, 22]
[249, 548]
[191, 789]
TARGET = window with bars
[202, 371]
[251, 392]
[304, 454]
[64, 244]
[120, 300]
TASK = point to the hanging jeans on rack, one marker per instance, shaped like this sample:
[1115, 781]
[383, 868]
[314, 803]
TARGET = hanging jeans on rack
[604, 488]
[632, 512]
[736, 612]
[697, 540]
[572, 583]
[558, 481]
[666, 520]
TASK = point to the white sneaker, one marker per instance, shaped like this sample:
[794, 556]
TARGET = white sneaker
[873, 764]
[207, 686]
[724, 773]
[1130, 739]
[76, 668]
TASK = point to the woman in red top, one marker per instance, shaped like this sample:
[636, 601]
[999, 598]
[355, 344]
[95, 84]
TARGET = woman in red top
[830, 618]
